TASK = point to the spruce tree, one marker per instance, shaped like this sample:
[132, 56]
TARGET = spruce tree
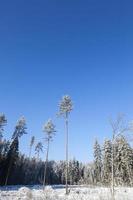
[97, 162]
[123, 161]
[107, 162]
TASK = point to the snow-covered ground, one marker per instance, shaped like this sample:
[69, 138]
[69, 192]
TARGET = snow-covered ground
[58, 193]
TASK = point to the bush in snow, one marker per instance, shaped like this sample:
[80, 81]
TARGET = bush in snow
[25, 193]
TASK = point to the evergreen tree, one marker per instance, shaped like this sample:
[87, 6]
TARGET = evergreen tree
[20, 129]
[123, 162]
[12, 157]
[3, 122]
[119, 127]
[65, 107]
[49, 129]
[97, 162]
[89, 174]
[4, 149]
[73, 173]
[107, 162]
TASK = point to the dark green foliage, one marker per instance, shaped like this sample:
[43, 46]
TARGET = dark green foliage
[11, 160]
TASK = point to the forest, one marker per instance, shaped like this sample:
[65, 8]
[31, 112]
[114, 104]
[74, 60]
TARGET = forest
[113, 160]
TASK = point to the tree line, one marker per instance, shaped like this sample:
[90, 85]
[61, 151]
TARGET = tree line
[112, 164]
[9, 151]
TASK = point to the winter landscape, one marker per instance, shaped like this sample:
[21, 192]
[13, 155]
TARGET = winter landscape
[58, 193]
[109, 176]
[66, 100]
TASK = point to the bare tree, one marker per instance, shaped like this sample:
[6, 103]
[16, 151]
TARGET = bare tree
[49, 129]
[65, 107]
[32, 141]
[119, 127]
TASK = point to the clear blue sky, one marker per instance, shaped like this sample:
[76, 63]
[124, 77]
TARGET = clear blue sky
[49, 48]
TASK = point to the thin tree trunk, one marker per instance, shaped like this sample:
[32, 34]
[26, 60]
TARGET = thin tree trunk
[66, 154]
[45, 169]
[113, 167]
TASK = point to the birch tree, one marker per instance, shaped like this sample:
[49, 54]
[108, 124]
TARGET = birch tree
[65, 107]
[119, 127]
[49, 130]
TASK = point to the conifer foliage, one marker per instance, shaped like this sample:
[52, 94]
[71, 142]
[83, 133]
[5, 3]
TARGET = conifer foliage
[97, 162]
[65, 107]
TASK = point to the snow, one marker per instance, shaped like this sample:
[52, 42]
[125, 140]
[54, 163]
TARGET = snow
[58, 193]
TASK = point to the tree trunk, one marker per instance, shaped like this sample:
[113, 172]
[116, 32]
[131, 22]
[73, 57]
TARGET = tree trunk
[66, 154]
[45, 169]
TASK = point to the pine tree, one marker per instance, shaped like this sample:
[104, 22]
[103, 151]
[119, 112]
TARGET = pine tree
[49, 129]
[65, 107]
[20, 128]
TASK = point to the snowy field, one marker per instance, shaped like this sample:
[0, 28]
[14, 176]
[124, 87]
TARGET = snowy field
[58, 193]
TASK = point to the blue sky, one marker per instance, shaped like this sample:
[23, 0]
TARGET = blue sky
[53, 47]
